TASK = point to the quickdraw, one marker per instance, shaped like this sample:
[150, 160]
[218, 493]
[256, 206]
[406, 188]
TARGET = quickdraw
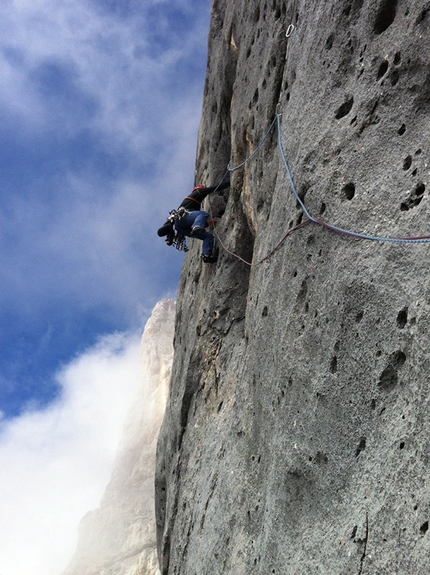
[174, 239]
[180, 243]
[175, 215]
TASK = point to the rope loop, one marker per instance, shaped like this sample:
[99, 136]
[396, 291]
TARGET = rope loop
[290, 30]
[310, 218]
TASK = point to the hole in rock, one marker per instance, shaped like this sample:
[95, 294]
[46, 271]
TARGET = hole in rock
[402, 445]
[414, 199]
[320, 458]
[333, 364]
[420, 189]
[424, 527]
[361, 446]
[399, 358]
[401, 130]
[385, 15]
[422, 16]
[402, 318]
[388, 379]
[397, 58]
[407, 163]
[264, 312]
[348, 191]
[345, 108]
[329, 42]
[382, 69]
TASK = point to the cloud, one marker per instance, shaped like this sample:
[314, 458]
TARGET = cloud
[55, 463]
[78, 64]
[99, 111]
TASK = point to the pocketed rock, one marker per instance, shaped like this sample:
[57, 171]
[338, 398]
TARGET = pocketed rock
[296, 435]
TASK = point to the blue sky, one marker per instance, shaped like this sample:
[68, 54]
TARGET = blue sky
[100, 103]
[99, 108]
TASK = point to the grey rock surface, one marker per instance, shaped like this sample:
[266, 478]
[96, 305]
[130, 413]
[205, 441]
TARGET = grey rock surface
[296, 436]
[119, 538]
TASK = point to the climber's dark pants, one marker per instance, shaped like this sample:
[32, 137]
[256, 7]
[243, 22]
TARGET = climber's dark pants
[200, 219]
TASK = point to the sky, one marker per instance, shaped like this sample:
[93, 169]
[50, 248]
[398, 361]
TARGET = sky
[100, 103]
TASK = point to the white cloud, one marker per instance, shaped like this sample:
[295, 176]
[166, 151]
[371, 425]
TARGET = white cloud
[55, 464]
[114, 62]
[84, 227]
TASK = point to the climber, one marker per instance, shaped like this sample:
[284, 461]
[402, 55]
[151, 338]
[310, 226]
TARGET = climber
[190, 221]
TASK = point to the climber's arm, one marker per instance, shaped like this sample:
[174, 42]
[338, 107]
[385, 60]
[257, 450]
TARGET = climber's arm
[201, 193]
[211, 189]
[194, 200]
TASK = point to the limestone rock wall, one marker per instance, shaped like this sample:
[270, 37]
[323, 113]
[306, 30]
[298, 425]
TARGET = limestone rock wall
[296, 437]
[119, 537]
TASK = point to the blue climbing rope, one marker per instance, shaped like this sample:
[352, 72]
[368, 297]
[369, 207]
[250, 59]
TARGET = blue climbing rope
[311, 219]
[249, 158]
[257, 149]
[358, 235]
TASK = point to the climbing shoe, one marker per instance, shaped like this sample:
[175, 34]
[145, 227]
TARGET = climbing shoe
[197, 232]
[209, 258]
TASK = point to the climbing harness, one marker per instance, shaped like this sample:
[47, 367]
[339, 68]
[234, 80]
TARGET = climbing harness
[173, 237]
[200, 187]
[175, 215]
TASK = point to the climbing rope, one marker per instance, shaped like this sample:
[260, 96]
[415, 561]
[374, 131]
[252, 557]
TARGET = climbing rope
[358, 235]
[257, 149]
[311, 219]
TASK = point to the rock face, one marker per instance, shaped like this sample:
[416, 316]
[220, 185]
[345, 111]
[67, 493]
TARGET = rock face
[296, 435]
[119, 537]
